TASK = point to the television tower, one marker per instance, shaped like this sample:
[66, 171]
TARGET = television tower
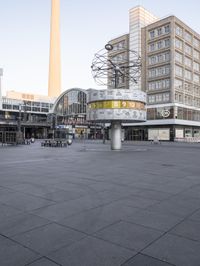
[54, 88]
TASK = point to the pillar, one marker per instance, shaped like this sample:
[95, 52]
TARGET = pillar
[116, 142]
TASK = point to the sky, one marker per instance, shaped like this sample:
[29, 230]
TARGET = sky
[86, 26]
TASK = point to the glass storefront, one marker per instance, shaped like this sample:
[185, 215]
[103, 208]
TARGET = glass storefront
[173, 113]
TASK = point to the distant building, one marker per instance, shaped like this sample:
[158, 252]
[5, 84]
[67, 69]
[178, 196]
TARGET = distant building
[69, 111]
[25, 112]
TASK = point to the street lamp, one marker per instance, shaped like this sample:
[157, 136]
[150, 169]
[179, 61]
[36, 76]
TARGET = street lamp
[19, 133]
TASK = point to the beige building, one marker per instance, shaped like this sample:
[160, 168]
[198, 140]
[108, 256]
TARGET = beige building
[171, 76]
[170, 54]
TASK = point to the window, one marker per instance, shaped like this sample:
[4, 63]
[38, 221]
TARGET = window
[196, 54]
[152, 34]
[179, 31]
[167, 29]
[159, 31]
[158, 98]
[151, 47]
[196, 42]
[188, 62]
[196, 78]
[159, 44]
[151, 99]
[178, 71]
[167, 43]
[165, 97]
[178, 44]
[188, 74]
[178, 57]
[178, 83]
[188, 49]
[188, 37]
[196, 66]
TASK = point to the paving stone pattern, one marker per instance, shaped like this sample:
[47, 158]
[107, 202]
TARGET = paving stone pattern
[86, 205]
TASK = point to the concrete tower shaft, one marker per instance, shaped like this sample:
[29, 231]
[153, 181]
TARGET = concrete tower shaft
[54, 88]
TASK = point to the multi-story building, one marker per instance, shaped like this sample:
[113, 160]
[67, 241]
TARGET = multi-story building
[170, 56]
[171, 76]
[25, 112]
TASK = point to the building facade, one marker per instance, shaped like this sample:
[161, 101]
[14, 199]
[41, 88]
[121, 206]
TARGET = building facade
[171, 76]
[170, 56]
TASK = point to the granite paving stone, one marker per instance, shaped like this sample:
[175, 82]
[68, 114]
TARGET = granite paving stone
[129, 235]
[24, 201]
[178, 205]
[91, 252]
[143, 260]
[87, 205]
[176, 250]
[8, 211]
[48, 238]
[188, 229]
[20, 223]
[43, 262]
[13, 254]
[159, 221]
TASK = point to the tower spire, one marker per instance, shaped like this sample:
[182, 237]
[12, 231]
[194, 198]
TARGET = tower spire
[54, 88]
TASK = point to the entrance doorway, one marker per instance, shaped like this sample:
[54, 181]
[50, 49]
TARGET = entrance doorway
[134, 134]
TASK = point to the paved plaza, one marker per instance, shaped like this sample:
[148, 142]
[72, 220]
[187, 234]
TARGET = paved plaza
[85, 205]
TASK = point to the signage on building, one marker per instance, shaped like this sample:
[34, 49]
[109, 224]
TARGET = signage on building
[165, 113]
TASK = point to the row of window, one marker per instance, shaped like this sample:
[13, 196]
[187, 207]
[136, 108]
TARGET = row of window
[159, 58]
[119, 45]
[159, 71]
[159, 85]
[25, 108]
[179, 71]
[161, 44]
[187, 49]
[158, 98]
[159, 31]
[187, 61]
[187, 88]
[187, 99]
[119, 58]
[174, 112]
[187, 36]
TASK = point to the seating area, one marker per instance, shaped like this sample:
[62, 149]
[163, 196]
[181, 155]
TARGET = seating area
[54, 143]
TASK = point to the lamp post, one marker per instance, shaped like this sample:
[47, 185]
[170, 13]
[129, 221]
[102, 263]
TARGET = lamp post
[19, 133]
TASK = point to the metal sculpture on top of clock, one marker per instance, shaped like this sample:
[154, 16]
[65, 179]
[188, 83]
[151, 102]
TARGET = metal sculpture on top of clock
[117, 69]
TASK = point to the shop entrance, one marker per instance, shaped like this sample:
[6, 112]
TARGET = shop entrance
[134, 134]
